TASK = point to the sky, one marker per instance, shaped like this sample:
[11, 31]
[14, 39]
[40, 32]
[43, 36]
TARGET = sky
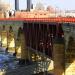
[62, 4]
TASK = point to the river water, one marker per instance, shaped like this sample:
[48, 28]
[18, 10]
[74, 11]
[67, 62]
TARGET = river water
[7, 60]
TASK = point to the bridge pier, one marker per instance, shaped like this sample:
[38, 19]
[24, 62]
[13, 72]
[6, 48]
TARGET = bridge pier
[24, 51]
[69, 36]
[58, 56]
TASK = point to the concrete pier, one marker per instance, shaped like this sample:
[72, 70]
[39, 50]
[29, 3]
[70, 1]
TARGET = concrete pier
[58, 54]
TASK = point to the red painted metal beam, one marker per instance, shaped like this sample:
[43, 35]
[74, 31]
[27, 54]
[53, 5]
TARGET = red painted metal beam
[59, 19]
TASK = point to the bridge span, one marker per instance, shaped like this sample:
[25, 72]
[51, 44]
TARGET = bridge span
[37, 39]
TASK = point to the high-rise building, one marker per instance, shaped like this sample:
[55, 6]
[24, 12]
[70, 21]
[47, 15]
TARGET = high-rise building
[16, 4]
[28, 5]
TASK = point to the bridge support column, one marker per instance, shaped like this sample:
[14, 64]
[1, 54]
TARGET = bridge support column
[21, 46]
[24, 52]
[58, 54]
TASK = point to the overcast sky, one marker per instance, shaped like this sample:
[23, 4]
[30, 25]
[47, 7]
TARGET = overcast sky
[62, 4]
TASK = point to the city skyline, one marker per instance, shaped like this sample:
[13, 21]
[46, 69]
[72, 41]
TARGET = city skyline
[62, 4]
